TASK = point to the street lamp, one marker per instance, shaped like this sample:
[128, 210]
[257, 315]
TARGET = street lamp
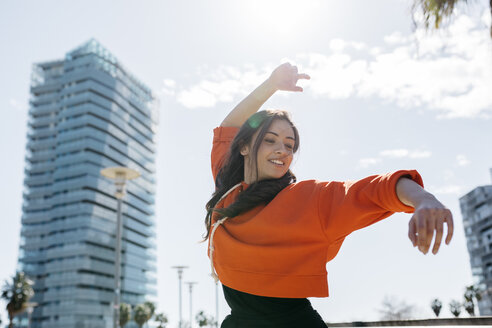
[180, 269]
[216, 304]
[190, 284]
[30, 308]
[120, 175]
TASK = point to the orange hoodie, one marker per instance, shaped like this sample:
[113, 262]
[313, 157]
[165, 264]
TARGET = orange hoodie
[281, 249]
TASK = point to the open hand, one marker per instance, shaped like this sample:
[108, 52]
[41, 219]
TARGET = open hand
[285, 78]
[430, 216]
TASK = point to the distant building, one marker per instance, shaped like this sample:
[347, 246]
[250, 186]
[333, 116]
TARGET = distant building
[87, 112]
[476, 208]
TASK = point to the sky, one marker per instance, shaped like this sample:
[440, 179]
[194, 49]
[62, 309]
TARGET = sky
[383, 96]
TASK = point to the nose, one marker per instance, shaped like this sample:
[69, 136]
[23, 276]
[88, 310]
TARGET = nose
[281, 149]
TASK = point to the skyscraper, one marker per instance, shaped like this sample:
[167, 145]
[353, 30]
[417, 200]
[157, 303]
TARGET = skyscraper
[476, 208]
[87, 112]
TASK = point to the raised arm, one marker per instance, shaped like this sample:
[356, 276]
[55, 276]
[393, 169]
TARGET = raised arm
[284, 77]
[429, 215]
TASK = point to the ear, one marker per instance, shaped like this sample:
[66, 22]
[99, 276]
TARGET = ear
[245, 150]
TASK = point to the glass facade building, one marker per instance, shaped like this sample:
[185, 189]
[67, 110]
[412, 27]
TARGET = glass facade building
[87, 112]
[476, 208]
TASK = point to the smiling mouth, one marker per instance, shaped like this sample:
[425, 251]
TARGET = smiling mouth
[276, 162]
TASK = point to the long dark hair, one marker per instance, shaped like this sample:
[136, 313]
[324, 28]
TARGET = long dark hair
[232, 172]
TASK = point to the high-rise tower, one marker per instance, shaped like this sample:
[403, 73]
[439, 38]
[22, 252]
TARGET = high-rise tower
[87, 112]
[476, 208]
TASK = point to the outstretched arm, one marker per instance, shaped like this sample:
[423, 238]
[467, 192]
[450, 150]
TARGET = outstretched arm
[284, 77]
[430, 214]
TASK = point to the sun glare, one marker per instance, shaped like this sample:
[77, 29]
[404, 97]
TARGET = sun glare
[281, 17]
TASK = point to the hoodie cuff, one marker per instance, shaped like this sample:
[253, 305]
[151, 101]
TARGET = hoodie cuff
[393, 199]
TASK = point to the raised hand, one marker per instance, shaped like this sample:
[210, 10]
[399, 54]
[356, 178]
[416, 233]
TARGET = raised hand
[429, 216]
[285, 78]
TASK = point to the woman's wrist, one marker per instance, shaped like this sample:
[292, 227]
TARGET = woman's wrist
[271, 85]
[412, 194]
[423, 199]
[264, 91]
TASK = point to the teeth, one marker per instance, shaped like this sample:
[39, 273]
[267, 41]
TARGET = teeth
[277, 162]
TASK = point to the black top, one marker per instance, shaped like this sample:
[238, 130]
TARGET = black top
[248, 310]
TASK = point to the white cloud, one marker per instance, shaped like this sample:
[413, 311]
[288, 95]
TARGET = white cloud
[223, 85]
[462, 160]
[337, 45]
[395, 38]
[168, 87]
[448, 71]
[394, 153]
[170, 83]
[420, 154]
[196, 97]
[447, 189]
[335, 76]
[400, 153]
[366, 162]
[486, 18]
[374, 51]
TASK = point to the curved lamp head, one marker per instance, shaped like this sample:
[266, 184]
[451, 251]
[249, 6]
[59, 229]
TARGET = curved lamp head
[120, 174]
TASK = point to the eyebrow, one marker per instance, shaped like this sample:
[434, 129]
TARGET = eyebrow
[277, 135]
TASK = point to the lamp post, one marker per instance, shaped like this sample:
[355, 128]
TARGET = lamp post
[120, 175]
[217, 304]
[30, 308]
[190, 285]
[180, 269]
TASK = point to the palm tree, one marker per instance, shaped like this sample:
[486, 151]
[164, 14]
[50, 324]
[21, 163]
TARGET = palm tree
[436, 10]
[17, 295]
[436, 306]
[151, 308]
[141, 314]
[469, 307]
[161, 319]
[472, 294]
[394, 309]
[204, 321]
[125, 314]
[455, 308]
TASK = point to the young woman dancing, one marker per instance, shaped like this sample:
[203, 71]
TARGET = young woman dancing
[270, 237]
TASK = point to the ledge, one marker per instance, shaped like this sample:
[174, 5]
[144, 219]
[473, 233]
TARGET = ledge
[473, 321]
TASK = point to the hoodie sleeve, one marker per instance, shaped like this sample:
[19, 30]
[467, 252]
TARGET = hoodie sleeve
[348, 206]
[223, 137]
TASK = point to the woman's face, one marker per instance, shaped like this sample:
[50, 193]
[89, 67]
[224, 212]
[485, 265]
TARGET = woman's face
[275, 153]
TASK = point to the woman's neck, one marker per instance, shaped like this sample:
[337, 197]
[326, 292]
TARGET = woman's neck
[249, 176]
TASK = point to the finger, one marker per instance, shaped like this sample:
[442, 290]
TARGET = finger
[296, 88]
[430, 227]
[449, 221]
[439, 231]
[421, 232]
[303, 76]
[412, 232]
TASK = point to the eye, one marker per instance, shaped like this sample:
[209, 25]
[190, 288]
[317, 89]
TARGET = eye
[289, 146]
[270, 141]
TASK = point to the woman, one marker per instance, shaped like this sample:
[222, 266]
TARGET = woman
[270, 236]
